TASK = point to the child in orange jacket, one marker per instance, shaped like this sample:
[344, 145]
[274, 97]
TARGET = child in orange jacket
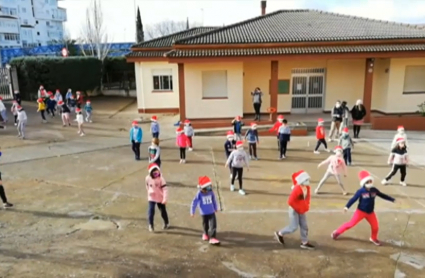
[320, 136]
[276, 127]
[299, 205]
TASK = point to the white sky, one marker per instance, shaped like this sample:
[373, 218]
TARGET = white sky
[120, 14]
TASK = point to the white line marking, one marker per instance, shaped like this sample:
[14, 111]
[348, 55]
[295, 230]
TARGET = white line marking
[323, 211]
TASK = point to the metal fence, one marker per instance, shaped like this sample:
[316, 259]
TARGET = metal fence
[6, 88]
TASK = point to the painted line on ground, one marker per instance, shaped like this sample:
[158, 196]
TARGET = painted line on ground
[323, 211]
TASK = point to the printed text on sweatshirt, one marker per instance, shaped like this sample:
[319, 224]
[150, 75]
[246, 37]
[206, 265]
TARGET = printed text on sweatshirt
[206, 201]
[154, 153]
[238, 158]
[157, 189]
[398, 156]
[367, 199]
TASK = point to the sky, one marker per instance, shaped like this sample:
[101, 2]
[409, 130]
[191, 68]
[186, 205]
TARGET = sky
[119, 15]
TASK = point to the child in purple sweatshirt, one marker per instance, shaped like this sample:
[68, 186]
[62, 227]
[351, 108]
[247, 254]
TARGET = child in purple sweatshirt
[205, 198]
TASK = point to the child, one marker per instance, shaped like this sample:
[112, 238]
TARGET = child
[206, 200]
[155, 127]
[238, 159]
[41, 92]
[80, 121]
[347, 144]
[22, 122]
[320, 136]
[80, 99]
[72, 104]
[41, 109]
[182, 142]
[155, 152]
[399, 159]
[252, 137]
[237, 127]
[58, 96]
[400, 134]
[229, 147]
[51, 105]
[299, 205]
[284, 138]
[365, 209]
[3, 197]
[157, 195]
[189, 132]
[276, 127]
[64, 112]
[17, 97]
[14, 110]
[136, 135]
[336, 166]
[89, 109]
[3, 111]
[68, 96]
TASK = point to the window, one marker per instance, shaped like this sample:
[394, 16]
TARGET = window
[25, 21]
[38, 33]
[11, 37]
[414, 80]
[13, 11]
[214, 84]
[24, 10]
[36, 22]
[162, 80]
[47, 23]
[5, 10]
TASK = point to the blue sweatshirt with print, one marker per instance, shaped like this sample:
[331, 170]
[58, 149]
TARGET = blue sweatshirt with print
[206, 201]
[367, 199]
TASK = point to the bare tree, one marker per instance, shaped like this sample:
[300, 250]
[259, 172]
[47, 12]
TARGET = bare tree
[94, 38]
[167, 27]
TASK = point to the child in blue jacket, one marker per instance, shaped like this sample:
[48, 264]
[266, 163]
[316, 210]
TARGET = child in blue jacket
[284, 138]
[136, 135]
[252, 137]
[89, 110]
[237, 128]
[205, 199]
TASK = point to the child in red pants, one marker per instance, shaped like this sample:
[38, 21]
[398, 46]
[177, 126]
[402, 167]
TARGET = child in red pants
[365, 209]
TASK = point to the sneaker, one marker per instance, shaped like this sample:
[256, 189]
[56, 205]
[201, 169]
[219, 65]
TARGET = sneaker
[344, 193]
[90, 121]
[279, 238]
[307, 246]
[82, 134]
[181, 161]
[242, 192]
[316, 152]
[190, 149]
[214, 241]
[231, 176]
[151, 229]
[184, 161]
[283, 156]
[402, 183]
[334, 235]
[328, 150]
[64, 125]
[19, 135]
[255, 158]
[232, 187]
[78, 132]
[250, 157]
[330, 140]
[205, 237]
[16, 124]
[385, 182]
[316, 191]
[375, 241]
[7, 205]
[349, 164]
[166, 226]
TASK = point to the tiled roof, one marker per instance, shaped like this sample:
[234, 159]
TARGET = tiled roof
[205, 53]
[147, 54]
[305, 26]
[168, 41]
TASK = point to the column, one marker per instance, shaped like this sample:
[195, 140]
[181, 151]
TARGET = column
[274, 86]
[368, 84]
[182, 93]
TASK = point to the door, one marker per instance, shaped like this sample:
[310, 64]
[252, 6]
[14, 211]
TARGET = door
[307, 91]
[5, 83]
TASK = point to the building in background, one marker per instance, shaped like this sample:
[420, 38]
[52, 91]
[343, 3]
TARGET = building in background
[30, 23]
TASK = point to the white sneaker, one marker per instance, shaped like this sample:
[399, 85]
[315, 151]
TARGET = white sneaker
[402, 183]
[283, 157]
[328, 150]
[385, 182]
[90, 121]
[316, 152]
[232, 187]
[16, 124]
[330, 140]
[181, 161]
[316, 191]
[242, 192]
[231, 176]
[184, 161]
[190, 149]
[78, 132]
[82, 134]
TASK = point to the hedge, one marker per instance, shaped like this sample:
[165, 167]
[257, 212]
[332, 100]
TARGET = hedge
[79, 73]
[117, 64]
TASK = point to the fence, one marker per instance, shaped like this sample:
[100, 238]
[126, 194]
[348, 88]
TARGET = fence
[8, 78]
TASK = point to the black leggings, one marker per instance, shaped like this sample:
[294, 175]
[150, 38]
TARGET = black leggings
[253, 149]
[394, 170]
[237, 172]
[182, 153]
[42, 115]
[319, 142]
[257, 107]
[2, 192]
[356, 130]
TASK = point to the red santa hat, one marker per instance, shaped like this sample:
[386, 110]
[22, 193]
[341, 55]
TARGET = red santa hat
[134, 123]
[52, 97]
[230, 134]
[320, 121]
[1, 98]
[49, 93]
[60, 102]
[78, 110]
[400, 140]
[239, 145]
[186, 122]
[400, 128]
[153, 166]
[338, 149]
[179, 130]
[154, 118]
[88, 102]
[238, 118]
[280, 118]
[300, 178]
[253, 125]
[19, 107]
[345, 130]
[78, 93]
[365, 177]
[204, 182]
[40, 100]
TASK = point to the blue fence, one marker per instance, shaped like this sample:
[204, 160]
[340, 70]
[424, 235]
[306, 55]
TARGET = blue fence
[7, 54]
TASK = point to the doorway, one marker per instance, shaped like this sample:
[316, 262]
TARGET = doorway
[308, 87]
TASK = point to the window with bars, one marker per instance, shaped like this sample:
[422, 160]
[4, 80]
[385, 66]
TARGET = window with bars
[162, 80]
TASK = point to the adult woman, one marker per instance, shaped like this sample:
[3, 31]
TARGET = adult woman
[256, 101]
[358, 112]
[337, 113]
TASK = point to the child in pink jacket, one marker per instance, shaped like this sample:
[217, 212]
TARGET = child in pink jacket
[157, 195]
[182, 141]
[336, 167]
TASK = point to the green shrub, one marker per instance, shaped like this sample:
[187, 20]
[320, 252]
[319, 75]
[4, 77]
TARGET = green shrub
[79, 73]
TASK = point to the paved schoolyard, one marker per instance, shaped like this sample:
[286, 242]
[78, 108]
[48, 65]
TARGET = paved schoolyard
[80, 211]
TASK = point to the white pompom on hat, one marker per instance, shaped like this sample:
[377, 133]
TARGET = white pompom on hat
[300, 178]
[364, 177]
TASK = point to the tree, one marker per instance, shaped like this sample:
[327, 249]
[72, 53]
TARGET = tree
[94, 38]
[69, 43]
[167, 27]
[140, 35]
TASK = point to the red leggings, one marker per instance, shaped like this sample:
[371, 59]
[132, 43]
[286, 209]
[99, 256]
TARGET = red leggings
[359, 216]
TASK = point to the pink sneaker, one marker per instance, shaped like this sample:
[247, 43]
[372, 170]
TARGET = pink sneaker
[375, 241]
[334, 235]
[214, 241]
[205, 237]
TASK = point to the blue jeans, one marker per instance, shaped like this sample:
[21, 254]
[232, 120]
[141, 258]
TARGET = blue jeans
[347, 155]
[155, 135]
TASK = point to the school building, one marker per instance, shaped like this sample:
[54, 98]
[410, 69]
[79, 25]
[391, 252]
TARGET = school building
[303, 61]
